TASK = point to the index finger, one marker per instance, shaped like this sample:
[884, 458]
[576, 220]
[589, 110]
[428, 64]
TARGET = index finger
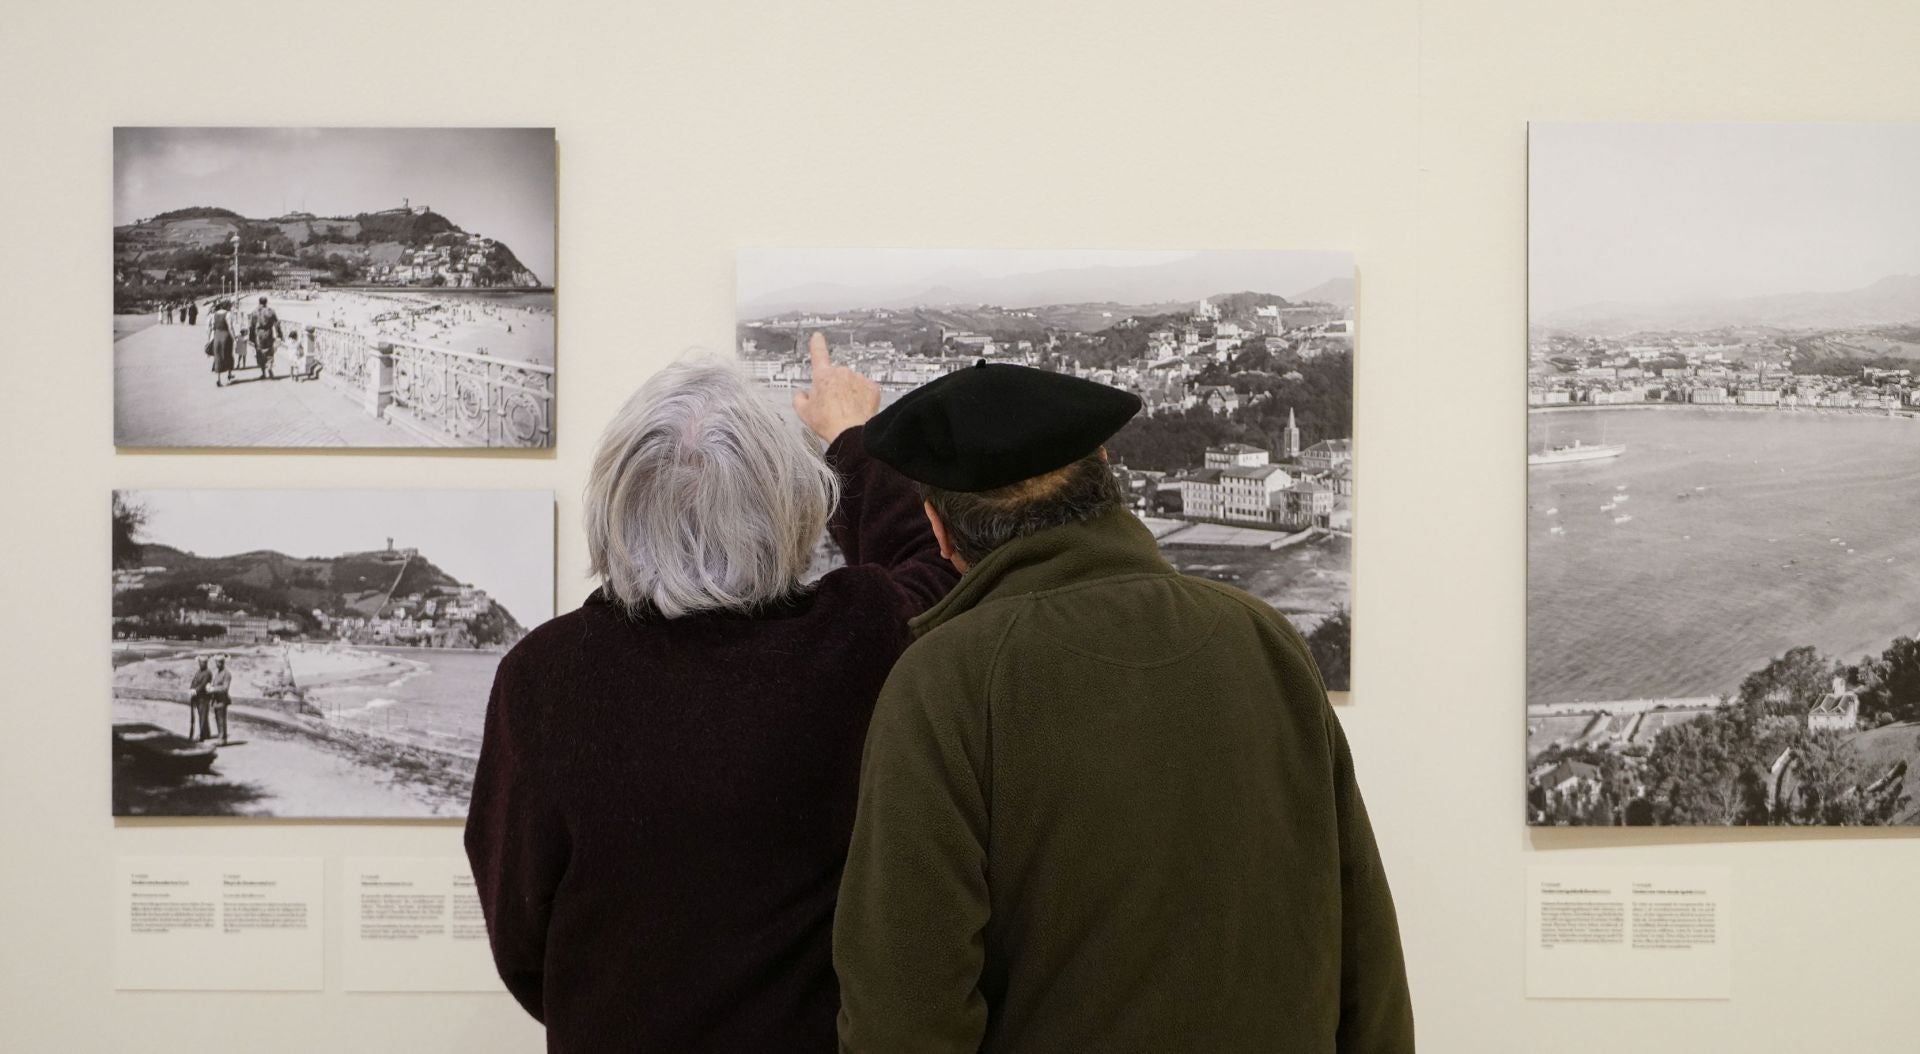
[817, 352]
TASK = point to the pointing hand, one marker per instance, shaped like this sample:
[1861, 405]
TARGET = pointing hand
[839, 398]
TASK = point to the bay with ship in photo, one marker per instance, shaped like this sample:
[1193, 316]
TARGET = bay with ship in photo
[1723, 466]
[1751, 532]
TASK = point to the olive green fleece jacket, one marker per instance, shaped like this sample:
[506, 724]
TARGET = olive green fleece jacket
[1105, 807]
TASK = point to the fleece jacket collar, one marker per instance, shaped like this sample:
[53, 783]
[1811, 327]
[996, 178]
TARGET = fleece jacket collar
[1113, 543]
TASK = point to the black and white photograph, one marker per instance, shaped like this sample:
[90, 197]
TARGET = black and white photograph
[1241, 460]
[315, 653]
[333, 287]
[1723, 470]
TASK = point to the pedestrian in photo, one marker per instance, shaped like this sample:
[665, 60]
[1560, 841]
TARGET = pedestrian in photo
[1105, 806]
[306, 365]
[220, 344]
[219, 695]
[667, 780]
[193, 312]
[197, 704]
[239, 321]
[265, 330]
[299, 364]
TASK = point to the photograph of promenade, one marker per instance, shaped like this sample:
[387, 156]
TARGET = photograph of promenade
[1241, 462]
[333, 287]
[1723, 469]
[315, 653]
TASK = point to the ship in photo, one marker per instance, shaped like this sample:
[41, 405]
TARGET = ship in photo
[1576, 451]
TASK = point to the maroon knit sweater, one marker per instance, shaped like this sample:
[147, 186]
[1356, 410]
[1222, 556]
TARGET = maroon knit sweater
[662, 806]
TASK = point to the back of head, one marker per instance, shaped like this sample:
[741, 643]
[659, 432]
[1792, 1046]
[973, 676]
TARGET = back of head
[703, 496]
[978, 522]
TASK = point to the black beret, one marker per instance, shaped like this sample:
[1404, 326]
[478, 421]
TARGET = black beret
[991, 425]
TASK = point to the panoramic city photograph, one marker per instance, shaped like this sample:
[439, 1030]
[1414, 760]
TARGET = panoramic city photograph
[333, 287]
[315, 653]
[1241, 461]
[1723, 470]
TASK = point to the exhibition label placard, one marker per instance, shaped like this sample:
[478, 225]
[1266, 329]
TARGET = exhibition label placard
[219, 923]
[1628, 933]
[413, 924]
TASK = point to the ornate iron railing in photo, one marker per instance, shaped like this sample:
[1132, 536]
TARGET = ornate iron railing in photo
[453, 397]
[342, 357]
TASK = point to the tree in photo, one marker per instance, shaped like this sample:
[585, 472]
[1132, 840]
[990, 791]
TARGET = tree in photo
[1828, 772]
[128, 518]
[1704, 773]
[1331, 643]
[1789, 684]
[1891, 683]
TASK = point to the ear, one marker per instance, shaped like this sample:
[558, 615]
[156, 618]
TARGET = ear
[1103, 455]
[941, 537]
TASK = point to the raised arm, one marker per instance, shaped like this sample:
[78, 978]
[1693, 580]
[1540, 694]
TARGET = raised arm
[880, 519]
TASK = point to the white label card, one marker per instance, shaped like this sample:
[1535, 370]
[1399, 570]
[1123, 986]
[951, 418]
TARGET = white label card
[219, 923]
[413, 924]
[1628, 933]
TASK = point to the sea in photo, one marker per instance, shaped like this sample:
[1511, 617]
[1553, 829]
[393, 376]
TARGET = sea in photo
[1720, 539]
[439, 699]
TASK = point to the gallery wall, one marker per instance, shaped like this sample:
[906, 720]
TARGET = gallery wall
[1395, 130]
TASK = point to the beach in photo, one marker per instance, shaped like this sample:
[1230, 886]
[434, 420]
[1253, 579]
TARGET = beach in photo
[407, 273]
[354, 680]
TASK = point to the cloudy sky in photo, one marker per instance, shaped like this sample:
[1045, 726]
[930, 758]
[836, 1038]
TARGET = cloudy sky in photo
[1675, 213]
[499, 540]
[497, 182]
[773, 280]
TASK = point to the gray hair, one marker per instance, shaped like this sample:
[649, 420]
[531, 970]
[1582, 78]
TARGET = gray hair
[704, 496]
[978, 522]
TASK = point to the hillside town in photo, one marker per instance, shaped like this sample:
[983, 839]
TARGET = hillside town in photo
[274, 655]
[1723, 472]
[333, 287]
[1241, 461]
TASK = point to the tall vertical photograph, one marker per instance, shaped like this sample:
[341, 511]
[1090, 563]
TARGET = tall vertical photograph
[333, 287]
[1241, 460]
[1723, 474]
[315, 653]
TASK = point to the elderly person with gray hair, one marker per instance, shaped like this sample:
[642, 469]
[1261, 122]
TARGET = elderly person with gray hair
[666, 788]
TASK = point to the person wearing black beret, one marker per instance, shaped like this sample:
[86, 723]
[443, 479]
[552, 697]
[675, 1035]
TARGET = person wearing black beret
[1103, 806]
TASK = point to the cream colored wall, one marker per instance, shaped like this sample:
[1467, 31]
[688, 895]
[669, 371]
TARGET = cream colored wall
[1392, 128]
